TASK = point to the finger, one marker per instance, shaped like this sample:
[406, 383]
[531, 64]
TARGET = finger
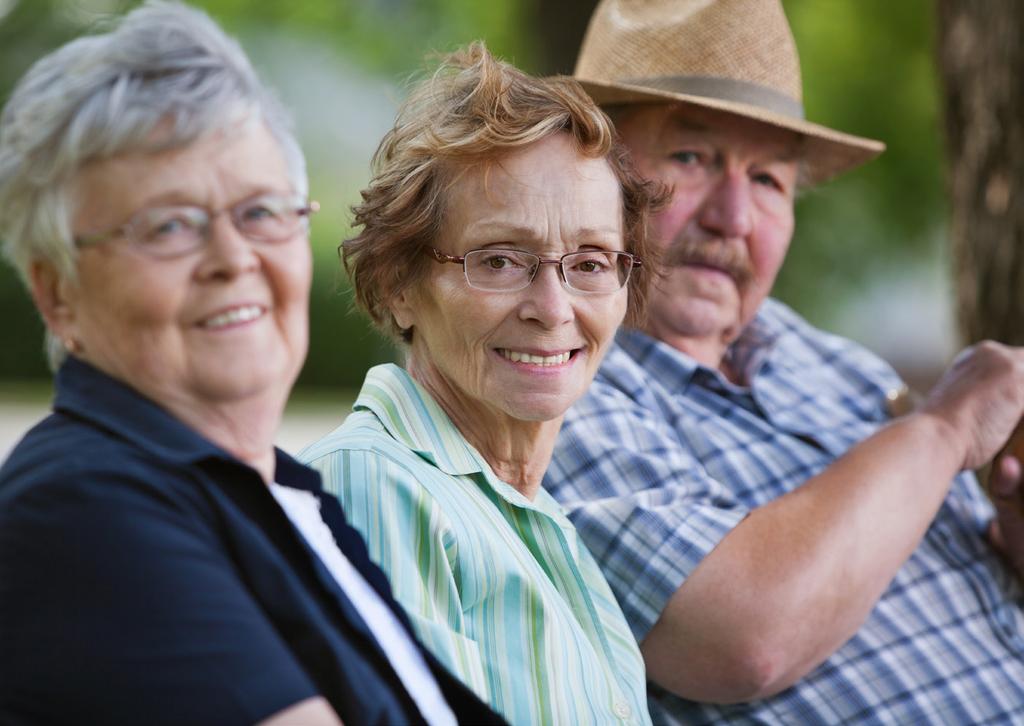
[995, 536]
[1005, 478]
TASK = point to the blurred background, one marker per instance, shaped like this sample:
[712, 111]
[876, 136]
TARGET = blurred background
[870, 258]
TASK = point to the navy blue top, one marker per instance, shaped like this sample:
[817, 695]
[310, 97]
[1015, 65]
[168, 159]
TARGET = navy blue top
[148, 576]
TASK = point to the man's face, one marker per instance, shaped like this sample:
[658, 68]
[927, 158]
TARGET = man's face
[726, 230]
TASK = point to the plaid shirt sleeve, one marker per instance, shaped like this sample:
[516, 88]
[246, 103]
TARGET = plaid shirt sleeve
[647, 510]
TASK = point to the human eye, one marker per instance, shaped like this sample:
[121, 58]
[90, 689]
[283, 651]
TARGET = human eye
[768, 180]
[262, 208]
[498, 269]
[593, 271]
[267, 217]
[592, 263]
[168, 227]
[686, 157]
[497, 260]
[779, 176]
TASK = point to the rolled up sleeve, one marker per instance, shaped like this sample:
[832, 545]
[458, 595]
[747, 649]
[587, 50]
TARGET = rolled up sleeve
[646, 508]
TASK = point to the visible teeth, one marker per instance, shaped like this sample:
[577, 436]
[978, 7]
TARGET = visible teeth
[235, 315]
[539, 360]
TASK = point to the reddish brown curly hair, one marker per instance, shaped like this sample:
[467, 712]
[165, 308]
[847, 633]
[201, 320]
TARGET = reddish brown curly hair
[474, 110]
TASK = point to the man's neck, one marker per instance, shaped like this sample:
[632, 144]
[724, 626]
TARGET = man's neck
[710, 351]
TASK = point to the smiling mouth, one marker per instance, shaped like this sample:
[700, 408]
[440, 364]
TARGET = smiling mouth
[234, 316]
[537, 360]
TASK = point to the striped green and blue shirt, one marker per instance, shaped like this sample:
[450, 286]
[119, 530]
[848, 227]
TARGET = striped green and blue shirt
[499, 587]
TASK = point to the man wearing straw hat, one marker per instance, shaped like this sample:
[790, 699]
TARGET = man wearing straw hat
[786, 550]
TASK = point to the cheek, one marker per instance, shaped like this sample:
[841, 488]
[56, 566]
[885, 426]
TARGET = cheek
[602, 320]
[670, 221]
[767, 257]
[289, 277]
[123, 301]
[293, 272]
[444, 319]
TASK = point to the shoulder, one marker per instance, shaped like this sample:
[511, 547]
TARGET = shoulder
[376, 476]
[362, 449]
[805, 342]
[360, 430]
[66, 461]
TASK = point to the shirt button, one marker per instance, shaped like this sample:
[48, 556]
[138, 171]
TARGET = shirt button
[622, 710]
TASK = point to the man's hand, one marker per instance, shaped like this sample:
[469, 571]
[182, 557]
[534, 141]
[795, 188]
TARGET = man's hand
[814, 562]
[981, 398]
[1006, 532]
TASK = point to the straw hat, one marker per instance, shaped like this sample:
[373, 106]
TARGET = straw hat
[736, 56]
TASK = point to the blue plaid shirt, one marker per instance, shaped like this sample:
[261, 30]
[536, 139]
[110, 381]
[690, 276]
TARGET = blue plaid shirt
[663, 457]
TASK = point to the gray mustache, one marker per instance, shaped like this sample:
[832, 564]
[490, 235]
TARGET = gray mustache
[719, 254]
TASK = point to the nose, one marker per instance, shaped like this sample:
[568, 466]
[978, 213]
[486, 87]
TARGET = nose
[727, 211]
[227, 253]
[546, 300]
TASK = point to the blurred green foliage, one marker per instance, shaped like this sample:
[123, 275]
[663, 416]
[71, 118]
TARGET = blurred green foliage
[388, 38]
[867, 68]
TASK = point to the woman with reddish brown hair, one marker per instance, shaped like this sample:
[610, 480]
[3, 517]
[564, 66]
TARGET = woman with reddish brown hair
[503, 240]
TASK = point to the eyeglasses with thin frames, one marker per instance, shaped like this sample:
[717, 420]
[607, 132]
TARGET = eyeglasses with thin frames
[587, 272]
[173, 231]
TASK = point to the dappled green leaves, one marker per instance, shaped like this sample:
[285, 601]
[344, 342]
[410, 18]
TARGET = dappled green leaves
[867, 67]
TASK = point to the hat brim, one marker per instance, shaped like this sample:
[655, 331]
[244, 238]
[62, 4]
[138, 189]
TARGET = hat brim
[825, 151]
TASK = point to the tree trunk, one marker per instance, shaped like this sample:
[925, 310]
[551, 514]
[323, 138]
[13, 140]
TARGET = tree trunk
[559, 26]
[981, 64]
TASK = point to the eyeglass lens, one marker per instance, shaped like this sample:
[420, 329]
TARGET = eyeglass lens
[585, 271]
[173, 230]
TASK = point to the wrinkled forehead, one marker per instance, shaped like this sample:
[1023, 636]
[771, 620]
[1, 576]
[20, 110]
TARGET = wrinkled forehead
[213, 170]
[532, 186]
[552, 162]
[669, 123]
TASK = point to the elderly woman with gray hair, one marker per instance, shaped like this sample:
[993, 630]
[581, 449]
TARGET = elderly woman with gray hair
[501, 241]
[160, 561]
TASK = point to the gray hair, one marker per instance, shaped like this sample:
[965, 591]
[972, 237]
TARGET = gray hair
[104, 95]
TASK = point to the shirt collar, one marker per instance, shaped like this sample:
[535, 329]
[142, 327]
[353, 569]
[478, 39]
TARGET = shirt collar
[411, 416]
[756, 344]
[89, 394]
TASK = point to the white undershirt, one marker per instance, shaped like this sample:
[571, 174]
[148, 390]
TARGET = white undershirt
[303, 509]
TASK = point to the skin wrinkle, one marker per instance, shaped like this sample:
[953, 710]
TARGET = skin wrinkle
[139, 319]
[817, 558]
[509, 413]
[726, 230]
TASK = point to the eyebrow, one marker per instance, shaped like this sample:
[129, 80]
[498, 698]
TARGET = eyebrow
[790, 154]
[682, 123]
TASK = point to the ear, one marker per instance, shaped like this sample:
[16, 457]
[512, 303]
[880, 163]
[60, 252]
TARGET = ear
[54, 298]
[403, 308]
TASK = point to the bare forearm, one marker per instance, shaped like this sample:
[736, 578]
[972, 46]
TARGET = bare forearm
[798, 577]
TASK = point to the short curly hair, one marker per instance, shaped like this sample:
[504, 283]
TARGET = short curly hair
[475, 109]
[103, 95]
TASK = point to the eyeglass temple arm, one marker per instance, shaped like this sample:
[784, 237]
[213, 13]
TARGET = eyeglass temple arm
[442, 257]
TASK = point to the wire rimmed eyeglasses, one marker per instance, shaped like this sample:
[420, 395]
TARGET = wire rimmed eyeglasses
[497, 269]
[172, 231]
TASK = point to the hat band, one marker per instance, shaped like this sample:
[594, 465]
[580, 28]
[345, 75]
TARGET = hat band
[724, 89]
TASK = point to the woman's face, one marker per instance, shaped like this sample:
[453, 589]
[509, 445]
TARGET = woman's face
[217, 325]
[531, 353]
